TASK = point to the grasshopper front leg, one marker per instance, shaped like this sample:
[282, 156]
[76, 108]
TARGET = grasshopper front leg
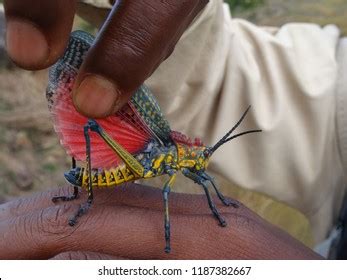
[225, 201]
[75, 189]
[166, 192]
[84, 207]
[202, 181]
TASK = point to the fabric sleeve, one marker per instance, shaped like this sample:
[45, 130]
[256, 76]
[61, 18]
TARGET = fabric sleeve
[341, 91]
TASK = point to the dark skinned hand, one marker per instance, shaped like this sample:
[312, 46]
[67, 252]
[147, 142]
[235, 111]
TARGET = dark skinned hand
[128, 223]
[136, 37]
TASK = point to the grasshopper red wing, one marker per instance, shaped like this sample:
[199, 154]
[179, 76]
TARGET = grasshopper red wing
[137, 123]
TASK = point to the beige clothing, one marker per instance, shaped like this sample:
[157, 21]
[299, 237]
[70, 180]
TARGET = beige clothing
[98, 3]
[289, 76]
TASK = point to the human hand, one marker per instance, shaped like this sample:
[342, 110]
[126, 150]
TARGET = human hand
[136, 37]
[127, 222]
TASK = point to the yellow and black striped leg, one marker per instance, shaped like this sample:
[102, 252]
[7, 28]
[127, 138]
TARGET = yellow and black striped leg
[75, 189]
[127, 158]
[85, 206]
[225, 201]
[166, 192]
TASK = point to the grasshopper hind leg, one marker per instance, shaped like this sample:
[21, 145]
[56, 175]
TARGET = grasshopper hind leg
[81, 211]
[85, 206]
[75, 189]
[225, 201]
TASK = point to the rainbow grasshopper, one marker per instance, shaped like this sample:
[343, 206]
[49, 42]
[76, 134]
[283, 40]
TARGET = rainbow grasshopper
[161, 152]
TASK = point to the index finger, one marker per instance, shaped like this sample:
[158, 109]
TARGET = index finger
[137, 233]
[136, 37]
[129, 194]
[129, 232]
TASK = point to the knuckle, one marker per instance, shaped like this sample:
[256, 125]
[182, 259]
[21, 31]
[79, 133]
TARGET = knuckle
[135, 47]
[131, 43]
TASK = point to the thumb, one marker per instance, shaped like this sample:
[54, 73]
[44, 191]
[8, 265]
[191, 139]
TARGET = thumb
[136, 38]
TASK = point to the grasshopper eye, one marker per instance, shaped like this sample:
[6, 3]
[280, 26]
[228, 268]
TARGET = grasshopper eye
[206, 153]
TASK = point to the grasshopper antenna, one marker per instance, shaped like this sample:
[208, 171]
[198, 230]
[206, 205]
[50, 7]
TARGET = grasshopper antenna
[226, 137]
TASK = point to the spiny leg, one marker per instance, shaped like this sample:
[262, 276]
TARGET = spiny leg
[201, 181]
[75, 188]
[166, 192]
[225, 201]
[85, 206]
[128, 159]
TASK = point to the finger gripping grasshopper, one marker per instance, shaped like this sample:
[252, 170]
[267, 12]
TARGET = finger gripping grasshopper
[135, 143]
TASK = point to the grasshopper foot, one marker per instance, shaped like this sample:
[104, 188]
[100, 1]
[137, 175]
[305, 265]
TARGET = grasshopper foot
[81, 211]
[222, 222]
[220, 219]
[230, 202]
[167, 249]
[72, 222]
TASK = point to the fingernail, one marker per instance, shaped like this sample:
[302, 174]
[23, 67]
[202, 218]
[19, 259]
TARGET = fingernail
[96, 96]
[26, 44]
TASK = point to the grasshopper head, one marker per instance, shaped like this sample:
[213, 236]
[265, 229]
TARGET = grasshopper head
[192, 157]
[202, 160]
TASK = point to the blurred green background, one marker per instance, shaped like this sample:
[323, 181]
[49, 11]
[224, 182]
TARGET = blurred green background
[31, 158]
[278, 12]
[239, 5]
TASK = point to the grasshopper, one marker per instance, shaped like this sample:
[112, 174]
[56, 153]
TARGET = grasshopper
[135, 143]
